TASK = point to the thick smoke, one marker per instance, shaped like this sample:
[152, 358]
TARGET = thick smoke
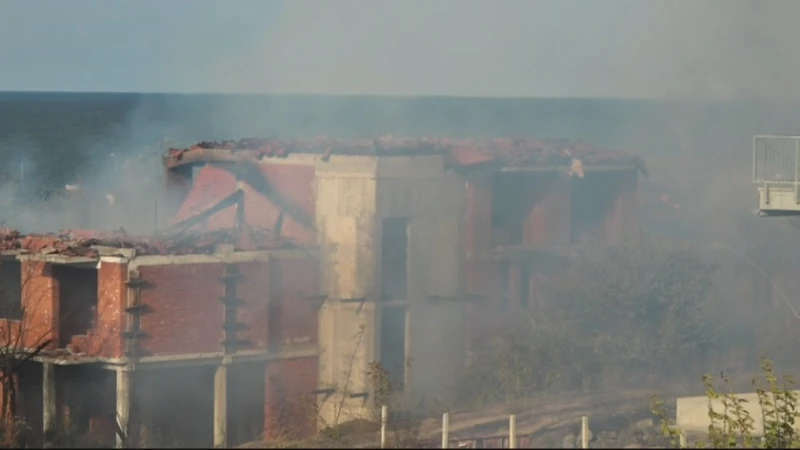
[704, 49]
[720, 71]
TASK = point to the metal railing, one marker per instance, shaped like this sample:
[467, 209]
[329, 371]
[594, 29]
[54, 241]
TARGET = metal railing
[776, 160]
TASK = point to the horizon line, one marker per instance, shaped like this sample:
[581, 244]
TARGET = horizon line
[352, 95]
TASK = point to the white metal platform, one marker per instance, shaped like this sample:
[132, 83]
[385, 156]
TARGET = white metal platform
[776, 173]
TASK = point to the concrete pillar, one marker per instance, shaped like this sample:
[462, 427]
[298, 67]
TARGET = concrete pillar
[221, 407]
[123, 407]
[49, 402]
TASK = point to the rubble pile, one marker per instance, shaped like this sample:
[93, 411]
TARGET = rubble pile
[84, 243]
[464, 152]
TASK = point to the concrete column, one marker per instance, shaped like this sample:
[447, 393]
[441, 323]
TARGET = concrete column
[221, 407]
[123, 407]
[49, 401]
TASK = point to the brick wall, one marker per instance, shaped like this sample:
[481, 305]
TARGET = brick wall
[268, 190]
[548, 199]
[40, 300]
[40, 304]
[185, 312]
[549, 220]
[106, 338]
[293, 314]
[187, 315]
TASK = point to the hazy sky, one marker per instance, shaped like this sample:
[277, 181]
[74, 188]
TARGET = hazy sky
[607, 48]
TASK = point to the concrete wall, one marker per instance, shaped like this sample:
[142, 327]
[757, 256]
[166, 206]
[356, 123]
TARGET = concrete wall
[346, 233]
[354, 195]
[419, 189]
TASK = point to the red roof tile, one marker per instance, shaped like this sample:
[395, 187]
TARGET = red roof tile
[465, 152]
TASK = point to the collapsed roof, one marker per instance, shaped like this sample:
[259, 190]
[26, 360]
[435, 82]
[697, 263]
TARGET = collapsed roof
[87, 243]
[460, 152]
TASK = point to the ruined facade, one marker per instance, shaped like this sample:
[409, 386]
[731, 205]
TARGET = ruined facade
[286, 271]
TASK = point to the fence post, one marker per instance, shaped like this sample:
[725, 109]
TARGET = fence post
[512, 431]
[445, 430]
[384, 419]
[585, 432]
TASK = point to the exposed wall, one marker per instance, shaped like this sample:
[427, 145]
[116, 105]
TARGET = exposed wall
[285, 185]
[112, 300]
[545, 209]
[354, 196]
[345, 214]
[40, 304]
[418, 188]
[186, 312]
[604, 206]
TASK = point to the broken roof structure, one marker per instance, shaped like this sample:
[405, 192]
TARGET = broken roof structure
[92, 244]
[503, 152]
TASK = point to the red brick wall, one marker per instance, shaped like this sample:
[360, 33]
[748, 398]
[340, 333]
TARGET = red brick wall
[40, 304]
[254, 312]
[106, 338]
[187, 315]
[549, 220]
[548, 223]
[293, 315]
[40, 294]
[294, 185]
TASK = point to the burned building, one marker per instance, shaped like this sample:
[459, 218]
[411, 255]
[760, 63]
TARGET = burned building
[287, 269]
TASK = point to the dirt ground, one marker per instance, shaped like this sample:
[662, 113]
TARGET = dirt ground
[619, 418]
[551, 421]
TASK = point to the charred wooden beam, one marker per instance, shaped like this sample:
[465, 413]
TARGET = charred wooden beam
[234, 199]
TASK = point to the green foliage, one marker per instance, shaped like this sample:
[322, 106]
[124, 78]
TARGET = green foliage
[731, 425]
[636, 309]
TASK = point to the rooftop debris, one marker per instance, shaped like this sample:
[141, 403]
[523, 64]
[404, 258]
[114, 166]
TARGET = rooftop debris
[85, 243]
[461, 152]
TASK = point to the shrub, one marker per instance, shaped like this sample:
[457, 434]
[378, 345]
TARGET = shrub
[602, 317]
[734, 427]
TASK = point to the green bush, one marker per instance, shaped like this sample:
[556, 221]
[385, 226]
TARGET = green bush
[602, 317]
[733, 426]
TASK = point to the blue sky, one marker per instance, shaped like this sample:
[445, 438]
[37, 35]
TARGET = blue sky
[576, 48]
[140, 45]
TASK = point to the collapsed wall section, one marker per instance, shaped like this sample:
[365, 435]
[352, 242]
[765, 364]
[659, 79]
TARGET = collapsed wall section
[69, 306]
